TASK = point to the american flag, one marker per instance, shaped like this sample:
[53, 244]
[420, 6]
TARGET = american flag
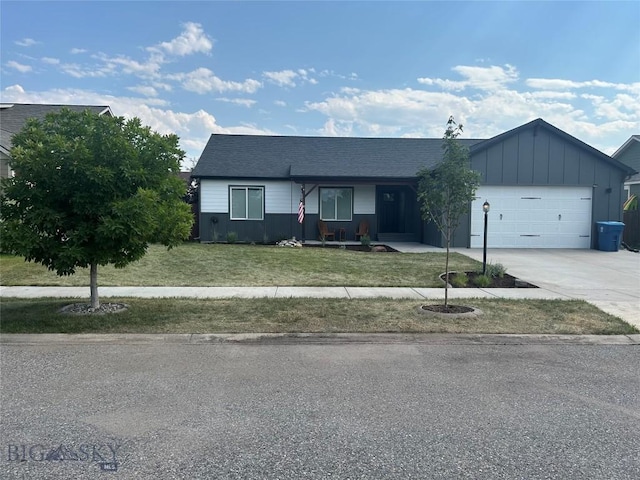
[301, 212]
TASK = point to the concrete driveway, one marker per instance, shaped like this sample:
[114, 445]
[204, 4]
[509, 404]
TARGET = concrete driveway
[608, 280]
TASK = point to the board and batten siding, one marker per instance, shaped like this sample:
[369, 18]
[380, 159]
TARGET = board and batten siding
[539, 157]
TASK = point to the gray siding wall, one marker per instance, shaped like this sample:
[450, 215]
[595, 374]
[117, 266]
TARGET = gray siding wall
[539, 157]
[275, 227]
[631, 156]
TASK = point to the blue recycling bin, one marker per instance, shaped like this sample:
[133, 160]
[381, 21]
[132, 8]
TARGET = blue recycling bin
[609, 235]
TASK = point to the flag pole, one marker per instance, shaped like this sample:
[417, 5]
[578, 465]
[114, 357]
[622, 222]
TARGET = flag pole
[302, 201]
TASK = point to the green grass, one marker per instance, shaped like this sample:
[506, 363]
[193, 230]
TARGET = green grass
[308, 315]
[194, 264]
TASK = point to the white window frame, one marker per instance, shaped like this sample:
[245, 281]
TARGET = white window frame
[335, 207]
[246, 189]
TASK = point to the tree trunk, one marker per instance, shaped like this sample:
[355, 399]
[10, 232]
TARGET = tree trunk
[95, 301]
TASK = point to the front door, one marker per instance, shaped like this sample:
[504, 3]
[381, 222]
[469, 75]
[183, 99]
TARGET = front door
[394, 214]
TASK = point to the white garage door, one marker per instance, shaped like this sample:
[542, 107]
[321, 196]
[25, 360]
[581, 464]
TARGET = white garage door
[533, 217]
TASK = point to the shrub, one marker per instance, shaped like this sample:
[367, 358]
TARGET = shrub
[494, 270]
[232, 237]
[482, 281]
[365, 240]
[459, 280]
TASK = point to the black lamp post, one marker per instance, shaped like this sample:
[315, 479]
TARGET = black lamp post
[485, 208]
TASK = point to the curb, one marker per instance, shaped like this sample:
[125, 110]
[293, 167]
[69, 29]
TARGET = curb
[314, 339]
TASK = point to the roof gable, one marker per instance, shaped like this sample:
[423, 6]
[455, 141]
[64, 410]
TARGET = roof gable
[633, 141]
[629, 153]
[539, 123]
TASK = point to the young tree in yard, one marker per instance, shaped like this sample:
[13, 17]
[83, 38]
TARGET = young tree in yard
[92, 190]
[446, 191]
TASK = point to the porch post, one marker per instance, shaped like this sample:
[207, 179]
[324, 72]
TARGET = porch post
[304, 210]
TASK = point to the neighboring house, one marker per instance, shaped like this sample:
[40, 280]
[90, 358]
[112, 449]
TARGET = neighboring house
[546, 188]
[13, 117]
[629, 154]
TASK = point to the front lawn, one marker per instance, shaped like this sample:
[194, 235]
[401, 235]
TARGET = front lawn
[289, 315]
[221, 265]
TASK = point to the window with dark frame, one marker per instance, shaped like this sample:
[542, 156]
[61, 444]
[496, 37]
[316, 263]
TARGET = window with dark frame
[336, 204]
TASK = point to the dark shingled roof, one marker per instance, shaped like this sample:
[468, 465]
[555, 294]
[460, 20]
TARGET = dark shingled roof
[280, 157]
[13, 116]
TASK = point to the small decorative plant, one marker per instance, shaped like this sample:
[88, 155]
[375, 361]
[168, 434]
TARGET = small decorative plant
[232, 237]
[494, 270]
[365, 241]
[460, 280]
[482, 281]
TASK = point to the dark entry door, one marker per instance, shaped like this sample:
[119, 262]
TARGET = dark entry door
[392, 208]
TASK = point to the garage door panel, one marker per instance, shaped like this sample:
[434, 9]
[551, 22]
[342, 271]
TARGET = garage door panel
[533, 217]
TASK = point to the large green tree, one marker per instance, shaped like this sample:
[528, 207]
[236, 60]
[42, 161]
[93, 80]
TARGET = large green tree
[92, 190]
[445, 192]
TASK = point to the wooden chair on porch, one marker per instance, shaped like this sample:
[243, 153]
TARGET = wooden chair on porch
[363, 229]
[324, 231]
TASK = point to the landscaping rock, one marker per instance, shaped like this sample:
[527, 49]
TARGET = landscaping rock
[85, 309]
[290, 243]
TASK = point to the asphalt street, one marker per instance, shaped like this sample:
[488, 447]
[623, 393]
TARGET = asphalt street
[291, 411]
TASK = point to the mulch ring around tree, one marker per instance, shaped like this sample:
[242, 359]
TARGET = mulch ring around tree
[506, 281]
[450, 311]
[354, 248]
[85, 309]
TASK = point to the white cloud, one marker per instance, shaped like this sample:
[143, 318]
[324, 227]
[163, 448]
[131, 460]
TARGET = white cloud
[193, 128]
[145, 90]
[280, 103]
[26, 42]
[85, 71]
[288, 78]
[560, 84]
[191, 40]
[245, 102]
[50, 60]
[481, 78]
[15, 91]
[389, 111]
[162, 86]
[147, 69]
[77, 51]
[18, 66]
[284, 78]
[203, 80]
[499, 102]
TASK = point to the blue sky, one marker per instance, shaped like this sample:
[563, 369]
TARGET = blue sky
[332, 68]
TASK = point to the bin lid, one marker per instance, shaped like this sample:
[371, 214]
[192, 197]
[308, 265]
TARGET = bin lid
[611, 223]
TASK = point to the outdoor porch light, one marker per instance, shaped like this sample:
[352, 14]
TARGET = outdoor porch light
[486, 207]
